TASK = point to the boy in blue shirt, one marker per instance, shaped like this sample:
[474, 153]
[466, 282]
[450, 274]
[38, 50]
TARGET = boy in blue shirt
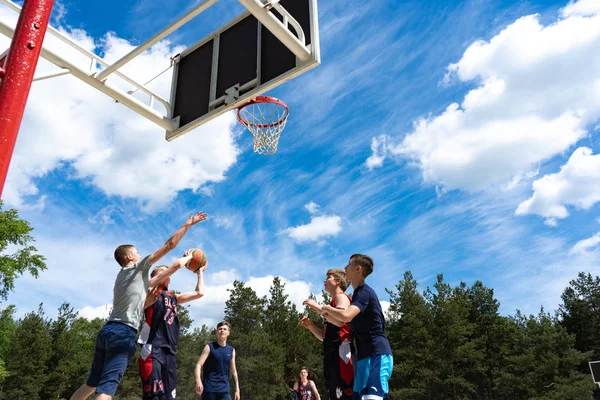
[367, 322]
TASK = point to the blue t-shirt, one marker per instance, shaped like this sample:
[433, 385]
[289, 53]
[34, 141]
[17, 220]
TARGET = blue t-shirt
[368, 327]
[216, 368]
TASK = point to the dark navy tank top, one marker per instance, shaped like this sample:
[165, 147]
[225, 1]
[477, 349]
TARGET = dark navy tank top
[334, 336]
[216, 368]
[161, 327]
[304, 391]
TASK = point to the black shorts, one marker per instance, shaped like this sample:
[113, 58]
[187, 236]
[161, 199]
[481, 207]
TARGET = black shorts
[159, 374]
[339, 376]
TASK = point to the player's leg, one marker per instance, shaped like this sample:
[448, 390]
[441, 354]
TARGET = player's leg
[152, 371]
[83, 392]
[360, 377]
[121, 344]
[330, 370]
[345, 371]
[375, 373]
[89, 387]
[170, 376]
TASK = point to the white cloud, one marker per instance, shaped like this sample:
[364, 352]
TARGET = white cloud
[67, 122]
[103, 217]
[91, 313]
[319, 228]
[312, 207]
[581, 8]
[586, 245]
[223, 221]
[538, 90]
[379, 148]
[221, 277]
[385, 306]
[576, 184]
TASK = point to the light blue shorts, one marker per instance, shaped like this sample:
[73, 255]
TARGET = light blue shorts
[371, 378]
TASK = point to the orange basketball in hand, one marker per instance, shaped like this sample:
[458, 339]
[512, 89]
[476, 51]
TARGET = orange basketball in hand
[198, 260]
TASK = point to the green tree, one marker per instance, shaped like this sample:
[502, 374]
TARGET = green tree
[542, 362]
[260, 362]
[580, 312]
[7, 331]
[28, 356]
[16, 231]
[412, 345]
[60, 363]
[454, 354]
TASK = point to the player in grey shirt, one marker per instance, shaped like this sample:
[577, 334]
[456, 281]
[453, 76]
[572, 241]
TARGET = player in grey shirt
[116, 341]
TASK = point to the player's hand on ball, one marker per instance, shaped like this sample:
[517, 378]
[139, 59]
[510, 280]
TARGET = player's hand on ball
[203, 268]
[199, 388]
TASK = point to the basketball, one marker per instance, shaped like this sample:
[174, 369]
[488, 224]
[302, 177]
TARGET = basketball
[198, 260]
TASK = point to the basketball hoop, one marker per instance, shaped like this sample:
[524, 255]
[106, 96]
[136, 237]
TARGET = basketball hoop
[265, 117]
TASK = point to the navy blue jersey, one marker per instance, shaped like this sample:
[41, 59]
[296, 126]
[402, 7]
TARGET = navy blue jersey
[161, 327]
[216, 368]
[334, 336]
[304, 392]
[368, 327]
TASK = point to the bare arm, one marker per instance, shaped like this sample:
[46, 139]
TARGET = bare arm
[197, 293]
[312, 304]
[162, 277]
[308, 324]
[198, 369]
[314, 390]
[341, 315]
[176, 237]
[234, 376]
[151, 297]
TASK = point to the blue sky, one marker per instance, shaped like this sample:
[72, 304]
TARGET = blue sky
[440, 137]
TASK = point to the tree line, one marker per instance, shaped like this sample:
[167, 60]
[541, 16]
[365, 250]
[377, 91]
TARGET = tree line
[448, 343]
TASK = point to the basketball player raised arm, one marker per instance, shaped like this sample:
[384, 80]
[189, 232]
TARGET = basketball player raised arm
[198, 292]
[162, 277]
[174, 240]
[234, 377]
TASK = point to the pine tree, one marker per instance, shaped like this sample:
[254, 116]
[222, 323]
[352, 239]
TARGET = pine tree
[412, 345]
[27, 359]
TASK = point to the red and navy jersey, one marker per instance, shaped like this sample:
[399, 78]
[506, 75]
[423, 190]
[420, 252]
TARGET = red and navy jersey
[334, 336]
[304, 392]
[161, 326]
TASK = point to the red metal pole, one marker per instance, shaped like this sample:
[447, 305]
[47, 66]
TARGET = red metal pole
[17, 76]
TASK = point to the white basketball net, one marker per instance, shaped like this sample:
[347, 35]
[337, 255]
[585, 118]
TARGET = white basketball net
[266, 121]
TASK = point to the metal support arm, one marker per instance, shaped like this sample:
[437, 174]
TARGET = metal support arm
[277, 28]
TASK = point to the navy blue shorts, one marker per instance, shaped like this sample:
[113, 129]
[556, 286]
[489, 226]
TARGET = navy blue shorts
[115, 345]
[216, 396]
[158, 371]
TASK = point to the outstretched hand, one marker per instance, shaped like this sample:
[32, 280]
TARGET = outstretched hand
[312, 304]
[195, 218]
[306, 322]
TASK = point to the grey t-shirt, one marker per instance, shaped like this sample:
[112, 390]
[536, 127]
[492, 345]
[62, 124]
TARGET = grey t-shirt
[131, 287]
